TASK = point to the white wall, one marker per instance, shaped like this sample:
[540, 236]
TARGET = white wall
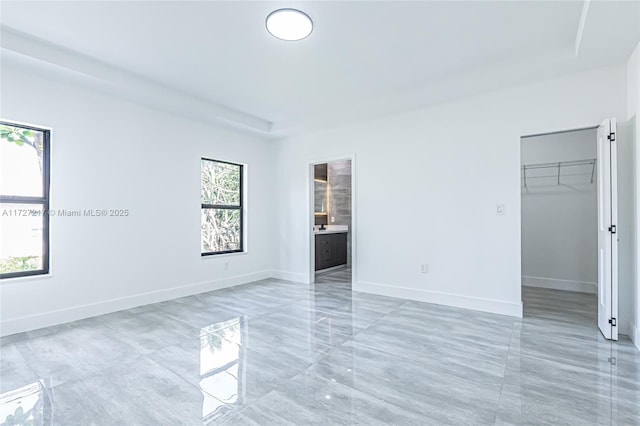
[426, 187]
[633, 114]
[108, 153]
[559, 222]
[625, 226]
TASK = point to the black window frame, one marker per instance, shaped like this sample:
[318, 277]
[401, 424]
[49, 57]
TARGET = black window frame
[44, 199]
[239, 207]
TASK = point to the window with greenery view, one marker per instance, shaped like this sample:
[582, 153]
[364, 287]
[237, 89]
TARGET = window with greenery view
[24, 200]
[222, 211]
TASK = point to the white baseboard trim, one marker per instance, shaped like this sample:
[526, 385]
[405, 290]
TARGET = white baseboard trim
[465, 302]
[291, 276]
[557, 284]
[634, 334]
[74, 313]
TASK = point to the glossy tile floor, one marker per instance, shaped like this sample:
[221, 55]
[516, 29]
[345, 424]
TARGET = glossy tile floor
[280, 353]
[336, 277]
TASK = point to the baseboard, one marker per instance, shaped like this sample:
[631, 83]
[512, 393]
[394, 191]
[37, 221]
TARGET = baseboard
[634, 334]
[557, 284]
[291, 276]
[465, 302]
[74, 313]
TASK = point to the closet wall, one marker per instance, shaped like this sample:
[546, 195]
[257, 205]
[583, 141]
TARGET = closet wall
[559, 238]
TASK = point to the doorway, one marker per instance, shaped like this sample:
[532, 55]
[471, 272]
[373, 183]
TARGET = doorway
[569, 211]
[332, 237]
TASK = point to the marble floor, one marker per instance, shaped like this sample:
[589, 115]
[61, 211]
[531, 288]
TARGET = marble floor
[283, 353]
[337, 277]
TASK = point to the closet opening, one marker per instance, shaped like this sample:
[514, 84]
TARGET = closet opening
[568, 217]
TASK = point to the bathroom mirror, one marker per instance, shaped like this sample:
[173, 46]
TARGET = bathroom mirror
[320, 189]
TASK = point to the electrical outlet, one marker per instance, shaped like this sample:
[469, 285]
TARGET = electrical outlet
[333, 219]
[424, 268]
[226, 266]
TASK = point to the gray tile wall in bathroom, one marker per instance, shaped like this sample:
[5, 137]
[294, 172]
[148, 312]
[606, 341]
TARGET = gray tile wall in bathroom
[339, 177]
[320, 193]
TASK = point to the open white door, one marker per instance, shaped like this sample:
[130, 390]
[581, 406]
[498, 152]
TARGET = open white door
[607, 232]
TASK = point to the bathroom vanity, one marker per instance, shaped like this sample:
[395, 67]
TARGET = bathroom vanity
[331, 248]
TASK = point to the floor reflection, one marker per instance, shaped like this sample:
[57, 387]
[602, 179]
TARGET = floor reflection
[28, 405]
[331, 307]
[222, 372]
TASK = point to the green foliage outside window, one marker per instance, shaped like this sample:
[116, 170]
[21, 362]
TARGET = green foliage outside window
[221, 207]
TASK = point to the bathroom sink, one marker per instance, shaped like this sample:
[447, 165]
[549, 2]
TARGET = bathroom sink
[331, 229]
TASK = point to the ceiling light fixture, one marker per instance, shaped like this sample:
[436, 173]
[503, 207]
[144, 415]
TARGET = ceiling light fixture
[289, 24]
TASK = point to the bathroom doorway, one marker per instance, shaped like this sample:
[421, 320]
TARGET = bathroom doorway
[332, 238]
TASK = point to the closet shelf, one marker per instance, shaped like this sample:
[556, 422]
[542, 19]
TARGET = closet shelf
[559, 166]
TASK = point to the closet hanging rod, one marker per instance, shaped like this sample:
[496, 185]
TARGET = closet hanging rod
[562, 164]
[559, 165]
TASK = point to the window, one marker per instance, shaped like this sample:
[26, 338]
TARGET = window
[222, 212]
[24, 200]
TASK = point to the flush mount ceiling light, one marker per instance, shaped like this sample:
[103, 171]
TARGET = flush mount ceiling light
[289, 24]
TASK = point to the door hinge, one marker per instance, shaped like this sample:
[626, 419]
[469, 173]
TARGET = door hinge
[612, 137]
[612, 229]
[613, 322]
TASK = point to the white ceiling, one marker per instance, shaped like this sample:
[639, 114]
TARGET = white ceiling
[363, 59]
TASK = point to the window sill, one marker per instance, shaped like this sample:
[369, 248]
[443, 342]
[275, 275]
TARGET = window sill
[26, 278]
[218, 256]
